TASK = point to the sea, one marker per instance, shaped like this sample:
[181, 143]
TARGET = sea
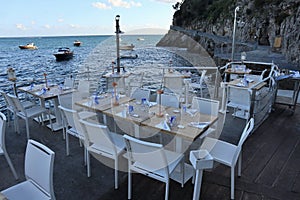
[95, 54]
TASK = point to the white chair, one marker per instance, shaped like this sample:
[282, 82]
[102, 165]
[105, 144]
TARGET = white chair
[227, 153]
[168, 99]
[71, 127]
[83, 89]
[206, 106]
[209, 107]
[103, 142]
[152, 160]
[10, 105]
[2, 144]
[140, 93]
[27, 113]
[135, 82]
[198, 83]
[67, 101]
[39, 162]
[239, 99]
[69, 82]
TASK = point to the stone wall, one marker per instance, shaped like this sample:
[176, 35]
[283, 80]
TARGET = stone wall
[258, 22]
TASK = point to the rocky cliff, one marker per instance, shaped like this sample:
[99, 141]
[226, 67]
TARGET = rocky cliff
[274, 23]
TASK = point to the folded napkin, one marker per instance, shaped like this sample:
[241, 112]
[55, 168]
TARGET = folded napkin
[200, 125]
[88, 103]
[150, 104]
[163, 125]
[41, 92]
[66, 88]
[240, 84]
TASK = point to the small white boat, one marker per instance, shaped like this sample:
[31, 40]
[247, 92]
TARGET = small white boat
[140, 39]
[127, 47]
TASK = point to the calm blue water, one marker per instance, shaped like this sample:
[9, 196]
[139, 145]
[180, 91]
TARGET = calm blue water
[95, 53]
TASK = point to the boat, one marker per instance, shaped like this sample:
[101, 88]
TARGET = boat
[130, 56]
[140, 39]
[127, 47]
[76, 43]
[28, 46]
[63, 53]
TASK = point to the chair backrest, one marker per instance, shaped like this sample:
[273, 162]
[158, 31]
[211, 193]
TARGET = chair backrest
[239, 96]
[247, 130]
[84, 88]
[147, 154]
[65, 100]
[206, 106]
[39, 162]
[99, 135]
[69, 82]
[140, 93]
[17, 103]
[71, 118]
[7, 100]
[2, 129]
[168, 99]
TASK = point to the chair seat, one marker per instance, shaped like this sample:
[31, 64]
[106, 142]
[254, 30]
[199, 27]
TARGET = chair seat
[221, 151]
[86, 114]
[33, 111]
[173, 159]
[27, 104]
[74, 132]
[240, 106]
[26, 190]
[118, 142]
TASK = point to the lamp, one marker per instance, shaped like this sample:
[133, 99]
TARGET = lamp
[243, 56]
[117, 18]
[233, 34]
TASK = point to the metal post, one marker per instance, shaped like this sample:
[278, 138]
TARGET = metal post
[233, 34]
[118, 42]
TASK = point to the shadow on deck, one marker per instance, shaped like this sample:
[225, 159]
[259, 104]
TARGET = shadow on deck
[270, 168]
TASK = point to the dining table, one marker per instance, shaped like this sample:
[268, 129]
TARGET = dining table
[50, 92]
[187, 125]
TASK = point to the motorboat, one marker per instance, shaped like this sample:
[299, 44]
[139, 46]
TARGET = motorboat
[63, 53]
[127, 47]
[28, 46]
[76, 43]
[140, 39]
[130, 56]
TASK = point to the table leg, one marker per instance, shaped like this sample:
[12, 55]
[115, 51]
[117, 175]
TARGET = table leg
[197, 186]
[58, 124]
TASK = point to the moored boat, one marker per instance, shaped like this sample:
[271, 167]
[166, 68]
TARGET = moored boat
[28, 46]
[76, 43]
[127, 47]
[63, 53]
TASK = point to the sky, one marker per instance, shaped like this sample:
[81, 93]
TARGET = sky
[19, 18]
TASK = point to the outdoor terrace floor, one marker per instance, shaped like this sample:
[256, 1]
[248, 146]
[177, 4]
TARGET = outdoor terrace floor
[270, 167]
